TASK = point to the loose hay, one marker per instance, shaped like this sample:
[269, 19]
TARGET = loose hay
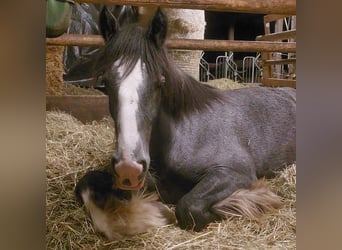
[73, 148]
[224, 83]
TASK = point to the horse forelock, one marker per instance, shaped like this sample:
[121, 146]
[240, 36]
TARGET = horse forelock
[127, 47]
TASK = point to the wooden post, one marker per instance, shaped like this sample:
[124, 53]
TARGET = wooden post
[231, 34]
[292, 67]
[266, 69]
[277, 55]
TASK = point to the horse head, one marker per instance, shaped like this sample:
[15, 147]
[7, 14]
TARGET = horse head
[130, 68]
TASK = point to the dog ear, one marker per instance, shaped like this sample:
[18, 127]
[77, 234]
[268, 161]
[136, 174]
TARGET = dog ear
[158, 28]
[108, 23]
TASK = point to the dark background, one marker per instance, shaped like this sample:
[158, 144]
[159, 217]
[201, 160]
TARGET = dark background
[246, 27]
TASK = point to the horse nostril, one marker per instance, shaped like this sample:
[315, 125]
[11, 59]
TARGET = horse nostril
[126, 182]
[114, 161]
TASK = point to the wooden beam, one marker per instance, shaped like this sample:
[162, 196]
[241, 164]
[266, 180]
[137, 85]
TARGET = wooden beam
[273, 82]
[287, 7]
[290, 34]
[273, 17]
[76, 40]
[280, 61]
[186, 44]
[227, 45]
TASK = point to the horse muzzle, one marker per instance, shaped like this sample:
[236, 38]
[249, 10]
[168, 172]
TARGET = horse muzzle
[130, 175]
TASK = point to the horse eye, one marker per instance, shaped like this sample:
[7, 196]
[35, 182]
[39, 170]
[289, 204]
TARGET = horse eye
[161, 81]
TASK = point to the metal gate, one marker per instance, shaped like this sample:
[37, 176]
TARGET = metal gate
[204, 70]
[251, 70]
[227, 68]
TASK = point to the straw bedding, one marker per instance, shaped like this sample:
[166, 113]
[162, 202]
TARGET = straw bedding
[73, 148]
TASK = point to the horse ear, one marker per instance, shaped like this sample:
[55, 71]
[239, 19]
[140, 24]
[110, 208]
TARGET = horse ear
[158, 28]
[108, 23]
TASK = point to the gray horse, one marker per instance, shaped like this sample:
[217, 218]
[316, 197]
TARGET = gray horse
[204, 147]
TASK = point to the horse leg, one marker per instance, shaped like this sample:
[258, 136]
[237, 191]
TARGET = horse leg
[193, 210]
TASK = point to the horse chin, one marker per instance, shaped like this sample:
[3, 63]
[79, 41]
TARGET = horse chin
[137, 187]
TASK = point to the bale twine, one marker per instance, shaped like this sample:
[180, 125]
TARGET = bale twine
[187, 24]
[54, 70]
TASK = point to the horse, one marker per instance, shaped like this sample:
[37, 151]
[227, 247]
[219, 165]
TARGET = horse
[205, 148]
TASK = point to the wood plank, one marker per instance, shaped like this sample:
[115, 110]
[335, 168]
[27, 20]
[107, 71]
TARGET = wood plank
[287, 7]
[273, 82]
[186, 44]
[290, 34]
[85, 108]
[280, 61]
[273, 17]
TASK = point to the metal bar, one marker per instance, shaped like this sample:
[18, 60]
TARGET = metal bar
[229, 45]
[286, 7]
[186, 44]
[76, 40]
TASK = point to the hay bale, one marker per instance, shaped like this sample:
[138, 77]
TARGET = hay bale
[188, 24]
[54, 70]
[73, 148]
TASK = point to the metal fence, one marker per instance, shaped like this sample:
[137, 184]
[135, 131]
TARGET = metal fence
[204, 69]
[225, 67]
[251, 69]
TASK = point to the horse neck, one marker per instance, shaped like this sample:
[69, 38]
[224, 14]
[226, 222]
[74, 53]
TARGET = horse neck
[183, 94]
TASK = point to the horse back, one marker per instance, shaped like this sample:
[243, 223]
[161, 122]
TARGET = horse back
[255, 125]
[268, 129]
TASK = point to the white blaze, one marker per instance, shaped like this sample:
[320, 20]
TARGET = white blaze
[128, 108]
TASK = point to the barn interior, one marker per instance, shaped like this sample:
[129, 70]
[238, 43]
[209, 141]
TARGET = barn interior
[232, 26]
[76, 143]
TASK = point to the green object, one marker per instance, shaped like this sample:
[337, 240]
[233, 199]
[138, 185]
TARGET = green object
[58, 14]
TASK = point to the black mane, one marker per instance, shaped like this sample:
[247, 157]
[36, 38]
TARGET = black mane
[181, 93]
